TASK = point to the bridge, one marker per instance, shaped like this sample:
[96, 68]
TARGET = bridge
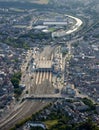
[47, 97]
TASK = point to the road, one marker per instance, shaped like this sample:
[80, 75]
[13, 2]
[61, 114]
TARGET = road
[76, 26]
[70, 31]
[27, 108]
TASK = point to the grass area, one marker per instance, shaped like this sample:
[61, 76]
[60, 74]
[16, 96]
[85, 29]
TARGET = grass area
[17, 10]
[51, 29]
[51, 123]
[40, 1]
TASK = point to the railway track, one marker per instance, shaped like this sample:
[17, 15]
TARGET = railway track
[28, 108]
[41, 76]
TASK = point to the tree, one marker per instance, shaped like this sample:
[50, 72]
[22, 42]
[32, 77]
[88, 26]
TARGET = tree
[15, 81]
